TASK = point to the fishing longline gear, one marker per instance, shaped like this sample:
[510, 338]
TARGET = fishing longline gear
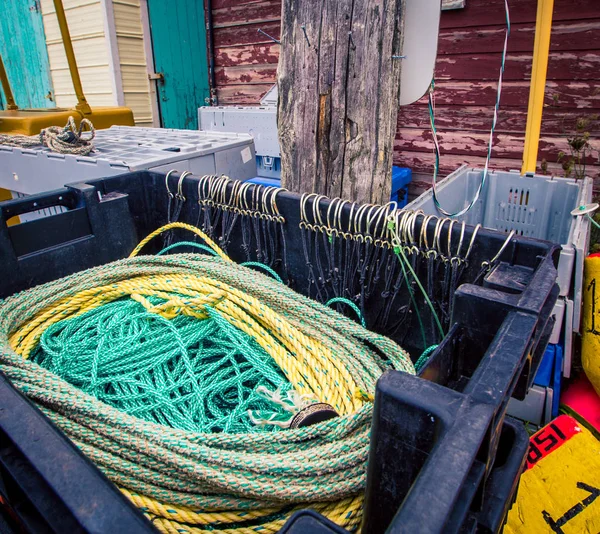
[142, 363]
[227, 206]
[401, 268]
[175, 203]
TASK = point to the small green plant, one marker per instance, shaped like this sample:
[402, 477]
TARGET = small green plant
[574, 162]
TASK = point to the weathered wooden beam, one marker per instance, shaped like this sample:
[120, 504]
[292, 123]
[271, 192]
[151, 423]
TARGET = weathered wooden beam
[338, 96]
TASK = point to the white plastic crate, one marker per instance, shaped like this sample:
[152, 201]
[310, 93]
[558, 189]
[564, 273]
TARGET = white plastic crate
[123, 149]
[258, 121]
[536, 408]
[533, 206]
[559, 318]
[568, 350]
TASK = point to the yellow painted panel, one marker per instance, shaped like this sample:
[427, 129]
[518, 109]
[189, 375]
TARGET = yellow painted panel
[86, 26]
[140, 105]
[127, 2]
[135, 79]
[48, 5]
[131, 50]
[127, 19]
[83, 20]
[132, 59]
[69, 100]
[95, 80]
[89, 52]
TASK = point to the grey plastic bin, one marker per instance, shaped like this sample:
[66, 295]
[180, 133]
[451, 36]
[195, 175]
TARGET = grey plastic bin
[258, 121]
[532, 205]
[122, 149]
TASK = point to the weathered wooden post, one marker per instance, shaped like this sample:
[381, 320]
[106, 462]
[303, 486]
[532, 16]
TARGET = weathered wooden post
[339, 82]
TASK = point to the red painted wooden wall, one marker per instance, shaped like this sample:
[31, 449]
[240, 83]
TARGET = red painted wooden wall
[467, 71]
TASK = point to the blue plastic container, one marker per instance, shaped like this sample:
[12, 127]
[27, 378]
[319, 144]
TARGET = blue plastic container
[269, 182]
[549, 374]
[401, 177]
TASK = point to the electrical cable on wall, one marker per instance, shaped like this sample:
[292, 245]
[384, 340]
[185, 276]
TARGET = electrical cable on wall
[431, 106]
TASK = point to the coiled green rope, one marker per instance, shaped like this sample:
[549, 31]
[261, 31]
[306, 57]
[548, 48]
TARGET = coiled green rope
[212, 481]
[200, 376]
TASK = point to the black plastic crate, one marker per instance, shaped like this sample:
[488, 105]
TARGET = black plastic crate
[47, 484]
[306, 521]
[499, 497]
[436, 436]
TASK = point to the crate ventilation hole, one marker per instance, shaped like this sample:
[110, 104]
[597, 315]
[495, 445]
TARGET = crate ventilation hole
[516, 213]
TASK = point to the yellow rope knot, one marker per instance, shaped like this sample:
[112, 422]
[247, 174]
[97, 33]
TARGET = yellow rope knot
[363, 395]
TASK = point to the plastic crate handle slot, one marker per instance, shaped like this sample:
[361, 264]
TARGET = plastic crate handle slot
[88, 216]
[34, 203]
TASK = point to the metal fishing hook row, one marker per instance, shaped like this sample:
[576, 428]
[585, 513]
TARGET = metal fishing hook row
[386, 226]
[359, 226]
[241, 198]
[215, 192]
[403, 224]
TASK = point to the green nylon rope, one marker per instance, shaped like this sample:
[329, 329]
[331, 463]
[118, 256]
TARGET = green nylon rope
[195, 375]
[341, 300]
[192, 244]
[424, 358]
[206, 248]
[203, 470]
[264, 268]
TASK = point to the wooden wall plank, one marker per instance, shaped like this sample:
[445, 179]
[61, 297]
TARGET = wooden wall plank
[242, 94]
[571, 95]
[236, 13]
[564, 66]
[247, 34]
[266, 54]
[246, 74]
[566, 36]
[479, 119]
[490, 12]
[423, 163]
[506, 146]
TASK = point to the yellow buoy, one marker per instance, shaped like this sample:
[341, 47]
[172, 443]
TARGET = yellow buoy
[560, 490]
[590, 347]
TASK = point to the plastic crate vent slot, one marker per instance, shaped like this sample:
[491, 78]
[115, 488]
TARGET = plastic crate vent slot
[516, 213]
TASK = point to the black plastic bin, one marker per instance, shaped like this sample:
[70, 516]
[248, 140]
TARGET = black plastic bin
[47, 484]
[435, 437]
[499, 496]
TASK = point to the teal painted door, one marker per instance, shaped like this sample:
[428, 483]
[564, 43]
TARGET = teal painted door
[179, 46]
[23, 49]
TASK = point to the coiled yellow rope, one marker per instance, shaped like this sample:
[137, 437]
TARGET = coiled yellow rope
[214, 482]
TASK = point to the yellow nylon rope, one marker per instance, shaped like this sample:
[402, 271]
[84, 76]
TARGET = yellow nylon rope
[307, 363]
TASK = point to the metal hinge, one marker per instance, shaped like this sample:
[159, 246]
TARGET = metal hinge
[156, 76]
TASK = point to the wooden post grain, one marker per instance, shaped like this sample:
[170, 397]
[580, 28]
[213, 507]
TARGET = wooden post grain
[338, 96]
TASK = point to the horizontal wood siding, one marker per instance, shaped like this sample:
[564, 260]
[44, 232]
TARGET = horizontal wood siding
[132, 59]
[86, 26]
[470, 46]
